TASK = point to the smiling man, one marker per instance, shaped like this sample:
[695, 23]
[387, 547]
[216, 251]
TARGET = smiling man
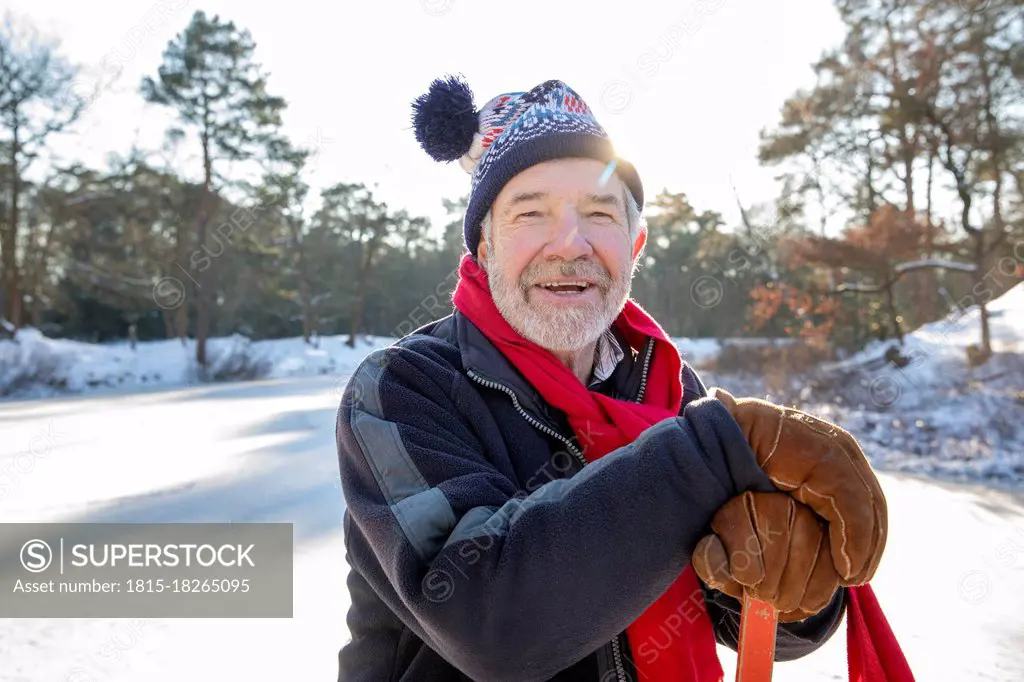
[537, 486]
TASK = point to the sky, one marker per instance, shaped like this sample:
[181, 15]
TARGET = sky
[683, 88]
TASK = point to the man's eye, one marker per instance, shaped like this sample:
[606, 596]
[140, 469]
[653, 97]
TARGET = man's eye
[529, 214]
[601, 213]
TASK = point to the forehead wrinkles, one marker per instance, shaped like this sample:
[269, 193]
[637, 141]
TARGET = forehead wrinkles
[607, 194]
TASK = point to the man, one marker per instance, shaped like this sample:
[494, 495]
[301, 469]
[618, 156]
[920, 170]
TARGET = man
[537, 487]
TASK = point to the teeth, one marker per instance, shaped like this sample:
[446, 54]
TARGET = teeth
[564, 284]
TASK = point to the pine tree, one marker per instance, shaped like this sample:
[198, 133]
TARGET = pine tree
[36, 101]
[210, 77]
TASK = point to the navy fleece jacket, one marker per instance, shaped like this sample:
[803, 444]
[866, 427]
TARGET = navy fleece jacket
[481, 547]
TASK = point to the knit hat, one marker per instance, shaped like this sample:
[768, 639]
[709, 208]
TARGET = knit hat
[512, 132]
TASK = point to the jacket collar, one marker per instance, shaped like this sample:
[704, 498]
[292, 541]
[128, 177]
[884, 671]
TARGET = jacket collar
[483, 358]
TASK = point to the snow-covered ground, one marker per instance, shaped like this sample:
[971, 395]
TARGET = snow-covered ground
[952, 582]
[240, 452]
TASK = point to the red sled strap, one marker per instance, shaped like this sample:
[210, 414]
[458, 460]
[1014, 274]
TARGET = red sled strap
[872, 652]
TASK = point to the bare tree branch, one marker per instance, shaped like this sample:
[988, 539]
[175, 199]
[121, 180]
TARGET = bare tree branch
[934, 264]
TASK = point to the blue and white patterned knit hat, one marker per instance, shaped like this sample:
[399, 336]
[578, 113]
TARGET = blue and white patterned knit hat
[512, 132]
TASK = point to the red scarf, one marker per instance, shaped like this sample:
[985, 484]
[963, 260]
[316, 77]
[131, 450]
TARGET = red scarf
[665, 647]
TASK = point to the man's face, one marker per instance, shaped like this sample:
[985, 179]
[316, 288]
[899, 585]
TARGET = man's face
[559, 259]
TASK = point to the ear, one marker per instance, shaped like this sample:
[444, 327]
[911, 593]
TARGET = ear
[481, 253]
[639, 243]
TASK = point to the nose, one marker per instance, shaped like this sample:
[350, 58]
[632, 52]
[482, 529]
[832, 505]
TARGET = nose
[567, 240]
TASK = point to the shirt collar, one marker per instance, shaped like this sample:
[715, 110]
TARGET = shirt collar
[607, 356]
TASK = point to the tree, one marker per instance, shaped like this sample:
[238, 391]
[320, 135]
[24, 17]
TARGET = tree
[35, 103]
[682, 245]
[915, 83]
[367, 232]
[971, 104]
[882, 252]
[284, 193]
[209, 76]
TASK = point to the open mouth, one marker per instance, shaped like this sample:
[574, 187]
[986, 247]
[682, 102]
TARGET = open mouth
[567, 288]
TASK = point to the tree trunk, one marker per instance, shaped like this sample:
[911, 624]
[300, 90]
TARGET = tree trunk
[908, 173]
[921, 283]
[890, 304]
[908, 144]
[202, 220]
[305, 286]
[359, 306]
[359, 309]
[9, 242]
[357, 315]
[178, 326]
[307, 322]
[928, 207]
[43, 252]
[986, 335]
[872, 195]
[976, 233]
[930, 300]
[169, 330]
[995, 148]
[12, 293]
[202, 282]
[821, 196]
[979, 278]
[308, 314]
[35, 311]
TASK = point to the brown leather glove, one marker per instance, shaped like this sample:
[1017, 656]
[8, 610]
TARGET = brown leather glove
[822, 466]
[773, 547]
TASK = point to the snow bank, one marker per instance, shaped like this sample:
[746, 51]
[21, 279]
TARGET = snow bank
[945, 341]
[703, 352]
[934, 415]
[32, 365]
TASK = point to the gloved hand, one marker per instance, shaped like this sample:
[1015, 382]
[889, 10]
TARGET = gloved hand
[822, 466]
[773, 547]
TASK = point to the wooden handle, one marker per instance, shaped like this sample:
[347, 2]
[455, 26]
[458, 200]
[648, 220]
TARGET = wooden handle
[758, 623]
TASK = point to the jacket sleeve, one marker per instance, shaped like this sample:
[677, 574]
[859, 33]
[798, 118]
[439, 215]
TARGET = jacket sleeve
[792, 640]
[507, 584]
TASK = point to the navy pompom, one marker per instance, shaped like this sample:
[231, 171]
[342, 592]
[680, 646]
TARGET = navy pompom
[445, 119]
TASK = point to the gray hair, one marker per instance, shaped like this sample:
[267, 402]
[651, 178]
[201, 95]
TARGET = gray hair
[634, 218]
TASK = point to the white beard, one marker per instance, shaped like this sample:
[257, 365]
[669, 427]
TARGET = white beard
[569, 328]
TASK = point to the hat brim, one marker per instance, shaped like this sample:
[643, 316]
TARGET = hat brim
[538, 150]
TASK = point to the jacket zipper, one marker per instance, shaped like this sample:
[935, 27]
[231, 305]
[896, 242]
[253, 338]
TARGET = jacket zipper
[620, 669]
[643, 377]
[526, 415]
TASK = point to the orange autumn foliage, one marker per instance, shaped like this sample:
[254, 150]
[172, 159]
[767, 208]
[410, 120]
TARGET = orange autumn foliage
[814, 316]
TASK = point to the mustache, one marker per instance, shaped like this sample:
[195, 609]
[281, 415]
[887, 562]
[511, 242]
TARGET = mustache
[579, 269]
